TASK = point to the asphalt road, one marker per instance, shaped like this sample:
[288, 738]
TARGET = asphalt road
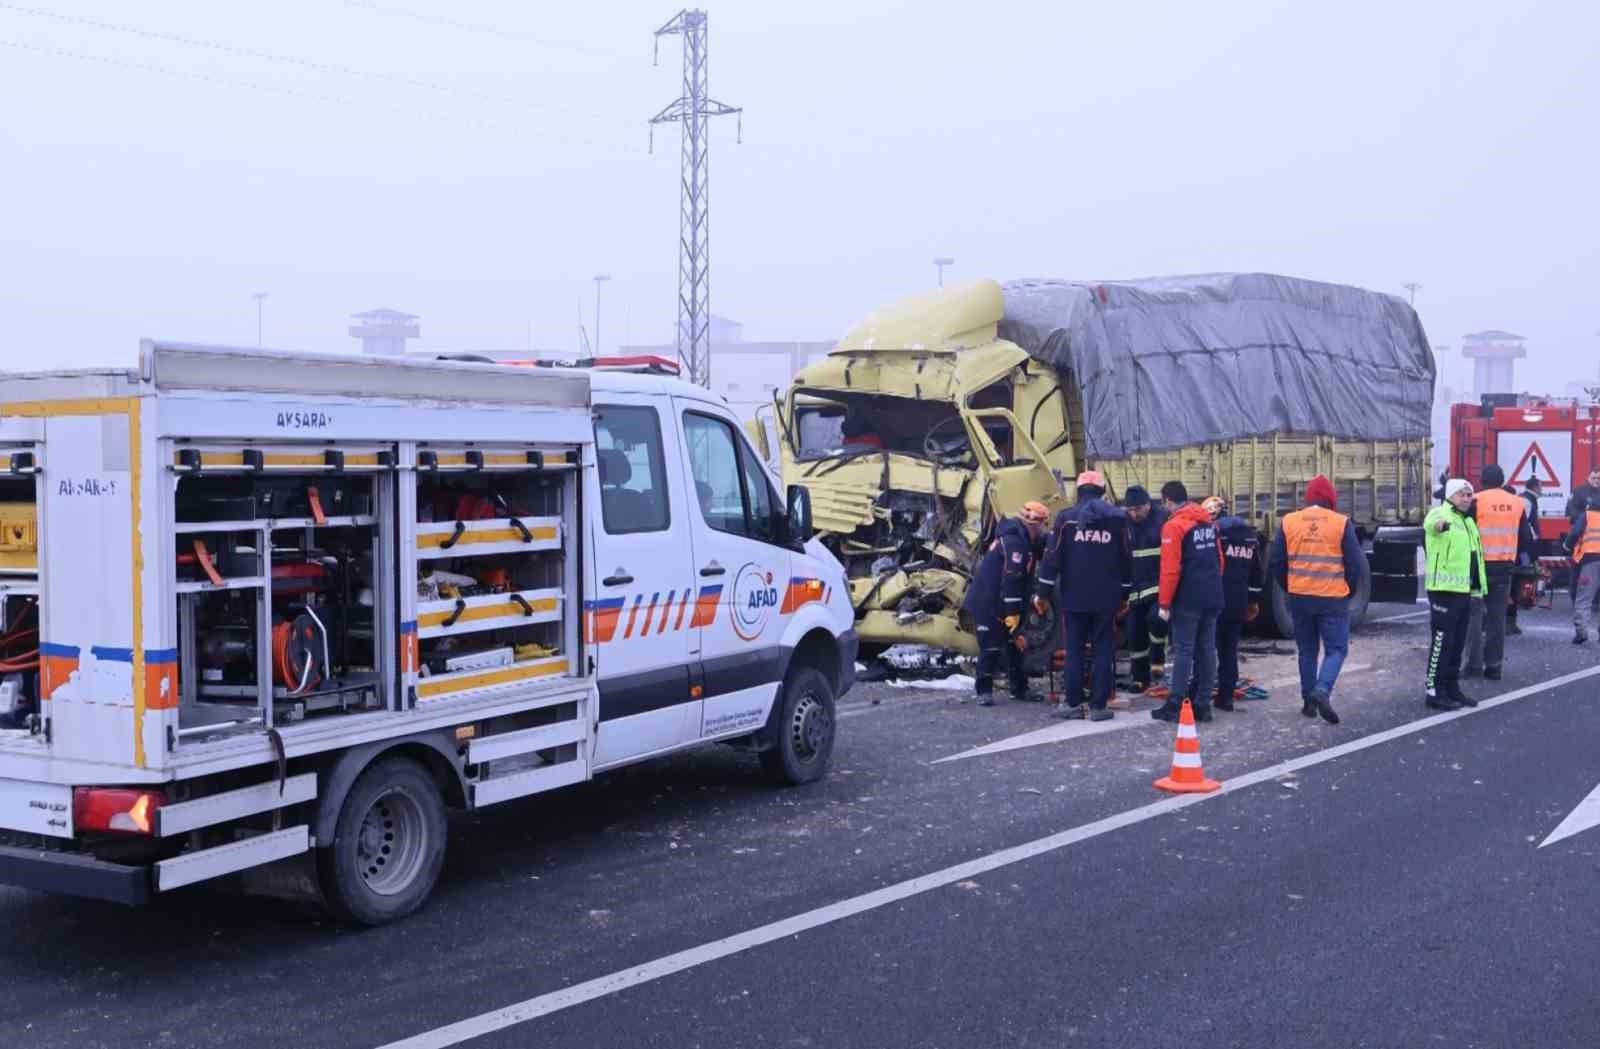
[1388, 893]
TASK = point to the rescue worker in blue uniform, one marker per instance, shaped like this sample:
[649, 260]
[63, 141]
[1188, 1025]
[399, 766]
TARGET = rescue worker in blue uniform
[997, 599]
[1146, 630]
[1239, 541]
[1086, 572]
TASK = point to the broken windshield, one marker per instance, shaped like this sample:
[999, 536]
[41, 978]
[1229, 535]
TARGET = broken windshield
[837, 424]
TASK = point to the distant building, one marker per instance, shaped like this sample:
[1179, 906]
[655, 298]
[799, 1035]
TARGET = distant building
[383, 332]
[1494, 355]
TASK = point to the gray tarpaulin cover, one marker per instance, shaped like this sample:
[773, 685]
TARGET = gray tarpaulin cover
[1169, 361]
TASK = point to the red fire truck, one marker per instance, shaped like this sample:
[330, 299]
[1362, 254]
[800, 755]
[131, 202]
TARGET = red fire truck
[1554, 439]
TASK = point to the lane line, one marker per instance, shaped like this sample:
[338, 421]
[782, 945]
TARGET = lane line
[1580, 819]
[624, 979]
[1399, 618]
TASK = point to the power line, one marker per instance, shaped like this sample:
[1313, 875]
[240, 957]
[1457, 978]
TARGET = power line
[266, 56]
[476, 120]
[481, 28]
[250, 85]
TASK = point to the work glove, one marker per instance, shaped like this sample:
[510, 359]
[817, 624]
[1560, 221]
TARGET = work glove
[1011, 622]
[1165, 613]
[1040, 605]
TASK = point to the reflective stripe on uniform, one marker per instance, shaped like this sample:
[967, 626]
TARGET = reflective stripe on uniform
[1147, 551]
[1314, 537]
[1500, 517]
[1590, 544]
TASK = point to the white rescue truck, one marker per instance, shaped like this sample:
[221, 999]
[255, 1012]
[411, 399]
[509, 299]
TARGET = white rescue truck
[261, 608]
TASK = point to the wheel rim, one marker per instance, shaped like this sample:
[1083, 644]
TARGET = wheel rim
[392, 845]
[810, 729]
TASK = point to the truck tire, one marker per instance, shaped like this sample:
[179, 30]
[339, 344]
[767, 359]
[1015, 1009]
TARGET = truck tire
[388, 845]
[1283, 622]
[801, 733]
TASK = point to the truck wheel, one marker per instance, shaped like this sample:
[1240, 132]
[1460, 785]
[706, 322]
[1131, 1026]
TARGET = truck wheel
[1283, 622]
[1362, 597]
[802, 732]
[1278, 606]
[388, 844]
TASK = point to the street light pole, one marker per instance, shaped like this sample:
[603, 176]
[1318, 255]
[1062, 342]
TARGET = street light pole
[1412, 287]
[942, 262]
[260, 298]
[599, 279]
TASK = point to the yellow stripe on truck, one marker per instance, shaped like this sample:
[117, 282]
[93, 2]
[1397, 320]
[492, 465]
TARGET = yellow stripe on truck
[494, 611]
[491, 676]
[487, 535]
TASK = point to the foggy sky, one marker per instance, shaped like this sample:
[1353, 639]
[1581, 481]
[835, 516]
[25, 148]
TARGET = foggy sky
[479, 179]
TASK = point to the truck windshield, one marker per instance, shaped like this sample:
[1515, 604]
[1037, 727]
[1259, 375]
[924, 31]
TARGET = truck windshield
[836, 424]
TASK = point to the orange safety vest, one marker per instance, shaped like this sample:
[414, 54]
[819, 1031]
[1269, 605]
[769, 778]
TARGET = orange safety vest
[1500, 517]
[1589, 546]
[1315, 541]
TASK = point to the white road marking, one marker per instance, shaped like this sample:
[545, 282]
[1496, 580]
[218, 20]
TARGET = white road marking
[1124, 720]
[1580, 819]
[1054, 734]
[1399, 618]
[667, 965]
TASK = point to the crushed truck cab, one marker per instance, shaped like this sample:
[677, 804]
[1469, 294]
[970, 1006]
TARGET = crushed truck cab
[911, 435]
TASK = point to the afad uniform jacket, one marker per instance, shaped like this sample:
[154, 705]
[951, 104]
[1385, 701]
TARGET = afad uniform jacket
[1191, 562]
[1000, 585]
[1088, 564]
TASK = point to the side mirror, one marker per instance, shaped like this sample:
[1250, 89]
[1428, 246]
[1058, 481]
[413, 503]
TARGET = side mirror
[798, 517]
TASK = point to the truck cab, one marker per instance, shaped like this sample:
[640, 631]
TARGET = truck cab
[912, 435]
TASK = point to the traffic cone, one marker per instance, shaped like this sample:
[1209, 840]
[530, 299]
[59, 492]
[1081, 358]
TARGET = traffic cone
[1187, 777]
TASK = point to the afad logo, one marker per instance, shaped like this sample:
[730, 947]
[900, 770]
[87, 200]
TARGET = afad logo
[754, 601]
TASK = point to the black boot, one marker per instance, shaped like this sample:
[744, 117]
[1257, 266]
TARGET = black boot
[1439, 699]
[1324, 706]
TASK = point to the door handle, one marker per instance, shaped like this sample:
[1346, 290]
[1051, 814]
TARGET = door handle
[713, 569]
[620, 578]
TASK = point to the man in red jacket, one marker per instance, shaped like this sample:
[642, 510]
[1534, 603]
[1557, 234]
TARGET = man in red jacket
[1190, 601]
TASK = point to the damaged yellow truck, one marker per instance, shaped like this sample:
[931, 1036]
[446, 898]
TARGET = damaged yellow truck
[942, 412]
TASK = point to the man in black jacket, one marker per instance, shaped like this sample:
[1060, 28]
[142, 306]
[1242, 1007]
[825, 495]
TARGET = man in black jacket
[1239, 539]
[1085, 573]
[995, 600]
[1146, 631]
[1507, 538]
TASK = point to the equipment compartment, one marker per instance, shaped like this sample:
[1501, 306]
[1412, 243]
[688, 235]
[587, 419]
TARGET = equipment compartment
[491, 567]
[278, 588]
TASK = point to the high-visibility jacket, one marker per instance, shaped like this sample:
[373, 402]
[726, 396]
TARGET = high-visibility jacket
[1314, 539]
[1588, 544]
[1451, 553]
[1500, 517]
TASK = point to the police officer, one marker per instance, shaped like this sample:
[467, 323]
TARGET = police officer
[995, 600]
[1239, 540]
[1086, 571]
[1146, 629]
[1456, 574]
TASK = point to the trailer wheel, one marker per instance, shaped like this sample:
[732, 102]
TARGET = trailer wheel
[388, 845]
[802, 733]
[1283, 621]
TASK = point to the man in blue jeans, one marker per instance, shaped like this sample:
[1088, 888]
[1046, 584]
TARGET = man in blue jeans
[1317, 559]
[1190, 601]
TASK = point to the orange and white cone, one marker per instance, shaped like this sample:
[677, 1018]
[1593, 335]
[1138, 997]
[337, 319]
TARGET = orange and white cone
[1187, 776]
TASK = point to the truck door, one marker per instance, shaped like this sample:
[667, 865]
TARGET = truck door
[638, 619]
[741, 570]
